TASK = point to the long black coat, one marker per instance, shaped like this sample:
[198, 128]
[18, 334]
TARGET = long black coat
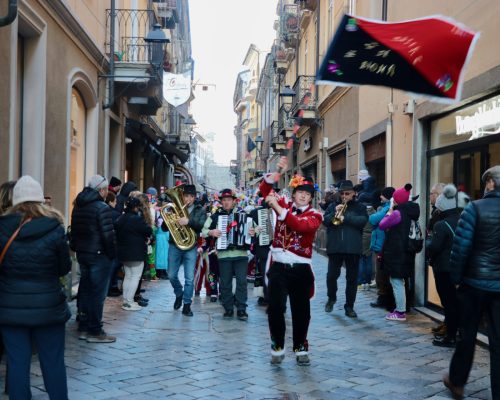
[132, 233]
[92, 225]
[438, 246]
[30, 292]
[398, 261]
[346, 238]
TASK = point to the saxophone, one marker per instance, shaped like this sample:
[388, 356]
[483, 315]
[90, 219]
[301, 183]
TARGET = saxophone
[184, 237]
[337, 220]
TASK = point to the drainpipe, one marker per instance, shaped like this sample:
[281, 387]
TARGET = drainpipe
[111, 81]
[11, 14]
[388, 130]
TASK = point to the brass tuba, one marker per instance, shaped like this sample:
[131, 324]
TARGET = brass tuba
[337, 220]
[183, 236]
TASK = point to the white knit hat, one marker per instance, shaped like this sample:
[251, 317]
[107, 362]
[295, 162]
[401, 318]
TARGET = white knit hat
[447, 199]
[27, 189]
[363, 175]
[98, 182]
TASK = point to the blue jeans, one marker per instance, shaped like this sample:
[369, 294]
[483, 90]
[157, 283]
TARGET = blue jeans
[49, 341]
[92, 291]
[398, 287]
[176, 258]
[365, 269]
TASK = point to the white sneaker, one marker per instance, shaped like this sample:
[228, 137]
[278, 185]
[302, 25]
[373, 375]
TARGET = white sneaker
[373, 284]
[131, 306]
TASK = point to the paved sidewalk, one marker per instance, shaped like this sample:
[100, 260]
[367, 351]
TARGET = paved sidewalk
[162, 354]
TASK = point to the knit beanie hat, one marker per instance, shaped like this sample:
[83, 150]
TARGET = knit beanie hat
[98, 182]
[114, 181]
[388, 192]
[447, 199]
[152, 191]
[363, 175]
[402, 195]
[27, 189]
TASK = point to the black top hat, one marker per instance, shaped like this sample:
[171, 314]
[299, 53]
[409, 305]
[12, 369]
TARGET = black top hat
[307, 185]
[346, 185]
[189, 189]
[226, 193]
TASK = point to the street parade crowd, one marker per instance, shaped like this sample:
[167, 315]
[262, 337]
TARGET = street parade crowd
[122, 236]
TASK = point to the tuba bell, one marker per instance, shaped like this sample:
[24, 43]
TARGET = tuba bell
[184, 237]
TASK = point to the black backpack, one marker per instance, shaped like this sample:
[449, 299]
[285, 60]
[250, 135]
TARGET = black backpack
[415, 238]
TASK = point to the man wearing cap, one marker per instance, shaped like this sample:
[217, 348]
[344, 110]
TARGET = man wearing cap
[93, 240]
[344, 245]
[232, 261]
[187, 258]
[475, 266]
[290, 272]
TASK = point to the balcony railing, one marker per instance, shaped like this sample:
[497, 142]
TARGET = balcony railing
[131, 27]
[285, 121]
[304, 94]
[274, 129]
[289, 27]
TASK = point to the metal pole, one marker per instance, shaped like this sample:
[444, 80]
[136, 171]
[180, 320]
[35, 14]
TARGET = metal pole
[111, 82]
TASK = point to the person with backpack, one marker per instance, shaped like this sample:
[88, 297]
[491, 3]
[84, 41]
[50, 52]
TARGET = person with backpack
[398, 258]
[438, 249]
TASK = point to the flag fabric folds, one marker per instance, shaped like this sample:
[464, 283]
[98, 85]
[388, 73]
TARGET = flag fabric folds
[425, 56]
[250, 147]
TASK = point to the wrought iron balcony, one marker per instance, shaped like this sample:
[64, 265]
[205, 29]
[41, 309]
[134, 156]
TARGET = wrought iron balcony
[280, 57]
[304, 106]
[289, 27]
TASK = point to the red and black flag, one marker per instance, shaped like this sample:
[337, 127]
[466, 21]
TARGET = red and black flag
[425, 56]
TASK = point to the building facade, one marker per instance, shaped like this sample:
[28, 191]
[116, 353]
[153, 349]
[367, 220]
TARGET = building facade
[74, 109]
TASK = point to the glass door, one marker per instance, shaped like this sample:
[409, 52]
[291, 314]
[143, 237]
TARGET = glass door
[469, 166]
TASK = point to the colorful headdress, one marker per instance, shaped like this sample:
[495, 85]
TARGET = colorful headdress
[299, 182]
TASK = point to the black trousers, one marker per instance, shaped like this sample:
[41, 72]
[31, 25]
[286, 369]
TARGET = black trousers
[335, 262]
[474, 303]
[298, 283]
[448, 296]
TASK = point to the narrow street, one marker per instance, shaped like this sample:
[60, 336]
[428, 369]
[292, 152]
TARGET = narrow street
[162, 354]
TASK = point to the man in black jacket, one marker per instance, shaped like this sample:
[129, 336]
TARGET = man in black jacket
[93, 240]
[178, 257]
[344, 245]
[475, 265]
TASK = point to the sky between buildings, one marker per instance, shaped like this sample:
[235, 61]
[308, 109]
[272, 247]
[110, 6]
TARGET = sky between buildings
[221, 32]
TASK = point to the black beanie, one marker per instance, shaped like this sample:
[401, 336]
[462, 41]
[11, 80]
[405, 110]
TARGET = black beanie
[388, 192]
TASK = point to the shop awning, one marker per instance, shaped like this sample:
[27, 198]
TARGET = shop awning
[136, 129]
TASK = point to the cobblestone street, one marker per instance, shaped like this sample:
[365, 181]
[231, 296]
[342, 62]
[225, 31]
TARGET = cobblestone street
[162, 354]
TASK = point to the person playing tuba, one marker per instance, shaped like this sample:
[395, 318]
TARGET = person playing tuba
[186, 218]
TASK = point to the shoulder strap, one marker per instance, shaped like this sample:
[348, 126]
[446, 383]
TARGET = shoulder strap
[11, 239]
[451, 229]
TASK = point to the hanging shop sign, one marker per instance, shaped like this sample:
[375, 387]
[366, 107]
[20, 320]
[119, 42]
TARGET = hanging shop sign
[484, 122]
[177, 88]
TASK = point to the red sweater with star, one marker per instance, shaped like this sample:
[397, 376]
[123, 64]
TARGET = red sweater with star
[296, 232]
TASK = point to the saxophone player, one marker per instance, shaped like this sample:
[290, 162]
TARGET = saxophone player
[345, 223]
[185, 257]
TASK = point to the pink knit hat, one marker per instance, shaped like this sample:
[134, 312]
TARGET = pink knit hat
[402, 195]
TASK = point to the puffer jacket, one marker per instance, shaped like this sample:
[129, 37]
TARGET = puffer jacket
[378, 235]
[30, 292]
[346, 238]
[132, 233]
[438, 246]
[475, 254]
[92, 225]
[397, 260]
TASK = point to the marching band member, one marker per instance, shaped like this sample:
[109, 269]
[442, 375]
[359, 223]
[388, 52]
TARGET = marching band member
[290, 271]
[233, 259]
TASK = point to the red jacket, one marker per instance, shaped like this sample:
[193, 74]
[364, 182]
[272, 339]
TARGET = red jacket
[296, 232]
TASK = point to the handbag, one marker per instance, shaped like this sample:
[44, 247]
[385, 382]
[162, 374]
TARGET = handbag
[415, 238]
[11, 239]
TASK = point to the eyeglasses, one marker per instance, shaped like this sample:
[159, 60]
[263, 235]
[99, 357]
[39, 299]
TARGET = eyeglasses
[99, 184]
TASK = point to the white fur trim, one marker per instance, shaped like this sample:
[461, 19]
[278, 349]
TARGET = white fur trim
[269, 178]
[301, 353]
[278, 353]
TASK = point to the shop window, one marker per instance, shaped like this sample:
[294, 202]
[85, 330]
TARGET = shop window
[374, 150]
[338, 165]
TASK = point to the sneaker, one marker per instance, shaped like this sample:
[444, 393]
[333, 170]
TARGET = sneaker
[102, 337]
[329, 305]
[444, 342]
[373, 284]
[396, 316]
[82, 335]
[228, 314]
[303, 360]
[349, 312]
[140, 298]
[213, 299]
[178, 302]
[242, 315]
[186, 310]
[457, 392]
[142, 302]
[277, 355]
[131, 306]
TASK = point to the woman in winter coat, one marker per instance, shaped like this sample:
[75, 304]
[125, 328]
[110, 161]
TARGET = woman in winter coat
[397, 259]
[33, 306]
[132, 233]
[438, 249]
